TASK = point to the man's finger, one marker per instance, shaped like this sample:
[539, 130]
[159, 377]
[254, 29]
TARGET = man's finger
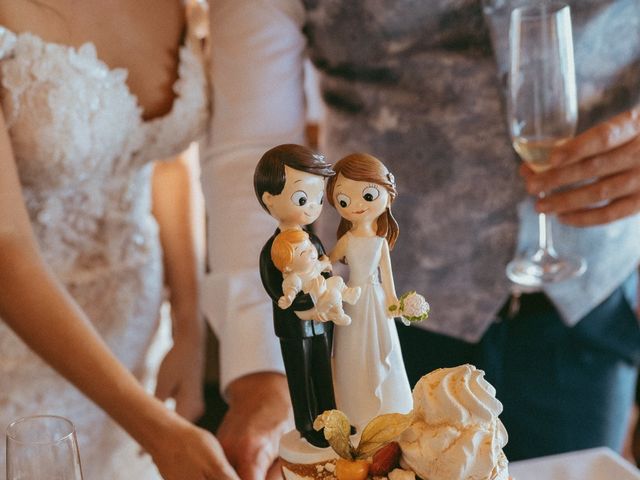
[603, 137]
[616, 210]
[620, 159]
[593, 194]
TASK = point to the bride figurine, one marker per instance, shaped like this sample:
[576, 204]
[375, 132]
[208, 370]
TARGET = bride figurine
[370, 378]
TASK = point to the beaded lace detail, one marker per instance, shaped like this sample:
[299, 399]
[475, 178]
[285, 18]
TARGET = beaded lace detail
[84, 153]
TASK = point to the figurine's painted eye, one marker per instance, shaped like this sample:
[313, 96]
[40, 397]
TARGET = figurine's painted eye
[343, 200]
[299, 198]
[370, 193]
[321, 201]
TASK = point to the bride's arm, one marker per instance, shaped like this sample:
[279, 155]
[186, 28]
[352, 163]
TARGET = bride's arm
[36, 306]
[178, 209]
[386, 276]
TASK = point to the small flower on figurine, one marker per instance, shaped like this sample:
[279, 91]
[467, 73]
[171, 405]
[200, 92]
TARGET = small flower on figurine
[391, 178]
[411, 307]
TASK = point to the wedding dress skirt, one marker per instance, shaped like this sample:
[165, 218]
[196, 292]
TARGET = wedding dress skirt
[369, 374]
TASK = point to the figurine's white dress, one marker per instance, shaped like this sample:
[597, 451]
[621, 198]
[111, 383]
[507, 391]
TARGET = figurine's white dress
[369, 373]
[84, 156]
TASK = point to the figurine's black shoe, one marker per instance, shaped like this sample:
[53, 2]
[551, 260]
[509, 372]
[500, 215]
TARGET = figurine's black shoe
[353, 430]
[316, 438]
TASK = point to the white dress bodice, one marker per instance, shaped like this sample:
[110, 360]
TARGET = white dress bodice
[369, 374]
[363, 257]
[84, 157]
[83, 151]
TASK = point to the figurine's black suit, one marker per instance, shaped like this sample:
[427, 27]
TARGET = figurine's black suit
[306, 349]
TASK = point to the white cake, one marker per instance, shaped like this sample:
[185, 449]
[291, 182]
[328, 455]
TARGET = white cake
[303, 461]
[454, 434]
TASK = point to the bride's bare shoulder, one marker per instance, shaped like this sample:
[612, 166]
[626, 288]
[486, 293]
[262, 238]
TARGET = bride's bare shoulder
[35, 16]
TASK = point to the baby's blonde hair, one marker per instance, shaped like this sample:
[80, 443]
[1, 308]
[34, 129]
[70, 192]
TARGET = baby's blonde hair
[283, 245]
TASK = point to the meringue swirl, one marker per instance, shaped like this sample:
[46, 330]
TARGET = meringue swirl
[456, 433]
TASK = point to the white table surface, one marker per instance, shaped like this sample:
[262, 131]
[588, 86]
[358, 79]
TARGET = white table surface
[593, 464]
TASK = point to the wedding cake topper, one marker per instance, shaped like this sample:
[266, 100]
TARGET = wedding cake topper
[307, 300]
[289, 182]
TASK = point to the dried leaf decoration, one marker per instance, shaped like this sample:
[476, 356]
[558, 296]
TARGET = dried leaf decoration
[336, 430]
[380, 431]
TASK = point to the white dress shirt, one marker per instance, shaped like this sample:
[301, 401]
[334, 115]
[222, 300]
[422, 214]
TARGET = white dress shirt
[234, 301]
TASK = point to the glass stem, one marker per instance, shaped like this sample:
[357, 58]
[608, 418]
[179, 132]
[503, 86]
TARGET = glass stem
[545, 240]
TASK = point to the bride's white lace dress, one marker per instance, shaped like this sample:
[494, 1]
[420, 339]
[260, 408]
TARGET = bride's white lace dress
[84, 156]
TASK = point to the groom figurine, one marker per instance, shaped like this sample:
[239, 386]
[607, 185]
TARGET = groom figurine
[289, 182]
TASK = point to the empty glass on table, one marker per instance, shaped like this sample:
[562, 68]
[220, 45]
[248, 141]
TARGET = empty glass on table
[42, 447]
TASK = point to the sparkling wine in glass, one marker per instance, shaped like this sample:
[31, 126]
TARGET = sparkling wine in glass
[542, 114]
[42, 447]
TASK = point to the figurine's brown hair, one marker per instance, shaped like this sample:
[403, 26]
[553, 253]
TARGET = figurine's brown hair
[362, 167]
[269, 174]
[282, 248]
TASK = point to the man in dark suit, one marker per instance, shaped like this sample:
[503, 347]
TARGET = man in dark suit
[289, 182]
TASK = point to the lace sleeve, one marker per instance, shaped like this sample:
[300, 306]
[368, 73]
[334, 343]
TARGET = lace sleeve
[7, 43]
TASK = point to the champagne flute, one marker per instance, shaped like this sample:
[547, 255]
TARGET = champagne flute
[542, 114]
[42, 447]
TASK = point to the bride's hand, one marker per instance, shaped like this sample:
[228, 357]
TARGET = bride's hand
[181, 375]
[184, 451]
[391, 301]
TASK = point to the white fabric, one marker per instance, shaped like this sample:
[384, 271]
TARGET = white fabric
[267, 35]
[592, 464]
[84, 155]
[368, 371]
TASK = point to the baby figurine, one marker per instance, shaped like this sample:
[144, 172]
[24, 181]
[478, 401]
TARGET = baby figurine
[297, 258]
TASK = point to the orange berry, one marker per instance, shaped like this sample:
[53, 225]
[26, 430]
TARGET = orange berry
[351, 469]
